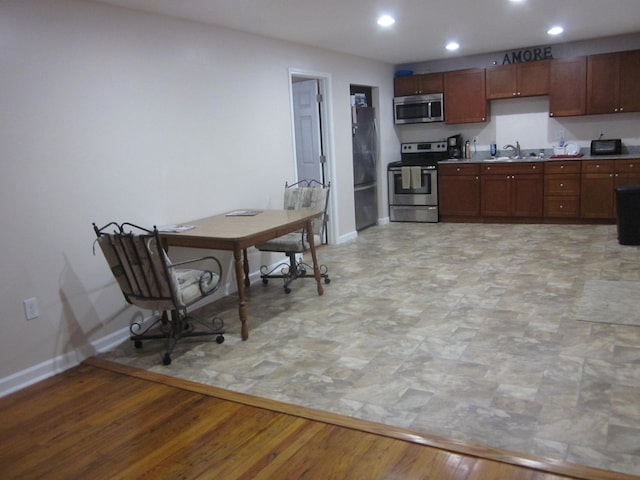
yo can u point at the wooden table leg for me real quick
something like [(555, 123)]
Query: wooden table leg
[(312, 247), (242, 301), (247, 282)]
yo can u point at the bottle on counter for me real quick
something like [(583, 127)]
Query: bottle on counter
[(467, 149)]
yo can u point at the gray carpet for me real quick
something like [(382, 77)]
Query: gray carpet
[(606, 301)]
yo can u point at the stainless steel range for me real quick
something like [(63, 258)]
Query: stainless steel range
[(413, 182)]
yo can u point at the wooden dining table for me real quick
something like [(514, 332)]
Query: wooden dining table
[(237, 231)]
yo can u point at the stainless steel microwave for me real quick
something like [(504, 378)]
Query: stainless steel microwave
[(419, 108)]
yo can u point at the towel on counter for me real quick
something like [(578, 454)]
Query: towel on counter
[(416, 177), (406, 178)]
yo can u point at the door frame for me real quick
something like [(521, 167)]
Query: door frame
[(326, 135)]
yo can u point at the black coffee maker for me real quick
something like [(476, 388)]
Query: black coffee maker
[(454, 146)]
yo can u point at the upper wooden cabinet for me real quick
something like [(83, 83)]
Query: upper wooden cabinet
[(417, 84), (613, 82), (465, 96), (568, 87), (518, 80)]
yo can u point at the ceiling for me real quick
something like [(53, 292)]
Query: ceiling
[(422, 27)]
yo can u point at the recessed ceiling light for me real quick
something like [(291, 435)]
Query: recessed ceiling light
[(557, 30), (386, 21), (451, 46)]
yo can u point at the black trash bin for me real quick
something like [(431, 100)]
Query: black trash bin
[(628, 214)]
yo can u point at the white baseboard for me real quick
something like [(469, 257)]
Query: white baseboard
[(49, 368), (59, 364)]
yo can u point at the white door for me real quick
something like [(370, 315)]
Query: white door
[(306, 117)]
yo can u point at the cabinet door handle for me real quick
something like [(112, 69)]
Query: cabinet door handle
[(562, 184)]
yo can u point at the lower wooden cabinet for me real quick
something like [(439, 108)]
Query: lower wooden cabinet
[(512, 190), (459, 191), (554, 191), (562, 189), (599, 181), (597, 190)]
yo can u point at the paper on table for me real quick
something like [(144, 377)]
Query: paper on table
[(243, 213), (175, 228)]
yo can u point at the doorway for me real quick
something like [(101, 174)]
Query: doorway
[(308, 128), (311, 133)]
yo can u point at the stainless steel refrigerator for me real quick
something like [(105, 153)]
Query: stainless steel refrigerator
[(364, 166)]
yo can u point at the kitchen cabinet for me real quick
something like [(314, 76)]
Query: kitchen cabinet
[(459, 191), (512, 190), (518, 80), (562, 189), (568, 87), (599, 180), (613, 82), (465, 96), (596, 199), (418, 84)]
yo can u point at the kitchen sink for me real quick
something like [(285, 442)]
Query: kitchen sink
[(509, 159), (500, 159)]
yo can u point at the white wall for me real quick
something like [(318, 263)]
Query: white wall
[(111, 114)]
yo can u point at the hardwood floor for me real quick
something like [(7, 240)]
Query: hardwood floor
[(104, 420)]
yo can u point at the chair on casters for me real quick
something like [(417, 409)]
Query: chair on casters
[(303, 195), (149, 280)]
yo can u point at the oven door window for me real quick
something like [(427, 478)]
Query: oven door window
[(425, 188)]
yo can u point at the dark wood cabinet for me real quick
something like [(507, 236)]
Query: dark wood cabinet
[(418, 84), (630, 81), (512, 190), (627, 172), (562, 189), (599, 181), (516, 80), (459, 192), (465, 96), (613, 82), (568, 87), (597, 189)]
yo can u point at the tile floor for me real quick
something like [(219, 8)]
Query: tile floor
[(467, 331)]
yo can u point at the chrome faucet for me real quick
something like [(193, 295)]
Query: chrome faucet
[(516, 150)]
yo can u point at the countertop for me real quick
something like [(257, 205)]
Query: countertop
[(623, 156)]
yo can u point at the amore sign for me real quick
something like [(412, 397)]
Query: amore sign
[(528, 55)]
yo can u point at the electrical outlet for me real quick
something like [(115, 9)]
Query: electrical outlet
[(31, 309), (475, 139)]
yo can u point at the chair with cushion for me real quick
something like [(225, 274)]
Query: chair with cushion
[(303, 195), (149, 280)]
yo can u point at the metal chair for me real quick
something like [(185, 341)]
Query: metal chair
[(149, 280), (303, 195)]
